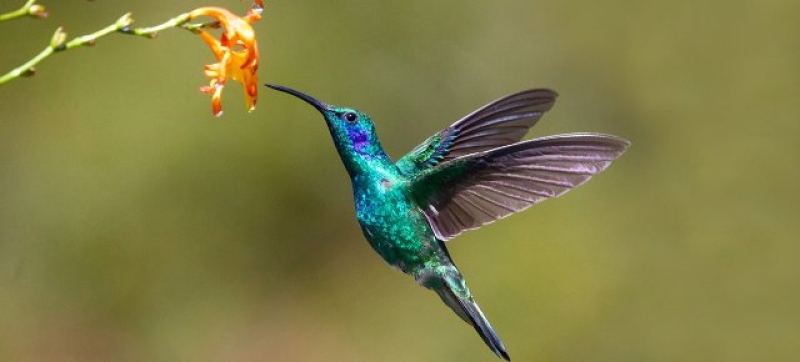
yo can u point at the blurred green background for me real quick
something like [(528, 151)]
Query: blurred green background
[(134, 226)]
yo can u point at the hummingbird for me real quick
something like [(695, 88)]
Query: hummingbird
[(468, 175)]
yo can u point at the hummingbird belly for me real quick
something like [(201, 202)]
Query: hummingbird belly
[(394, 226)]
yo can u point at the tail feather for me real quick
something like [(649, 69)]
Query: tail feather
[(455, 294)]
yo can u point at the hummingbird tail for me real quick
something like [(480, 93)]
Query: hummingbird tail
[(455, 294)]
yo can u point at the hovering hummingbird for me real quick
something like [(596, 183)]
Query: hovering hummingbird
[(470, 174)]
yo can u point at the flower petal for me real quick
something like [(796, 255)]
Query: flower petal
[(236, 52)]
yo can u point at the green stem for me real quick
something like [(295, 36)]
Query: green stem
[(27, 68), (122, 25), (89, 39), (23, 11), (152, 31)]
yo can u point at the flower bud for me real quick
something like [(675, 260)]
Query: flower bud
[(59, 39), (38, 11)]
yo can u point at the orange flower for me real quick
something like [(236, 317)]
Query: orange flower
[(236, 51)]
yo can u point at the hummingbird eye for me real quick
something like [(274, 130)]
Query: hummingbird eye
[(350, 117)]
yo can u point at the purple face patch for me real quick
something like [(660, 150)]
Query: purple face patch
[(359, 137)]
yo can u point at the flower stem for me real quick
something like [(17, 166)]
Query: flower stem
[(59, 43), (152, 32), (23, 11)]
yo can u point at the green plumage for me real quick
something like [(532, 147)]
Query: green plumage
[(393, 224), (465, 176)]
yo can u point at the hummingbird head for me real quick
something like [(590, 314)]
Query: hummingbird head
[(353, 132)]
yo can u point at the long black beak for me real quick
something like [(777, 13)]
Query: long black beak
[(320, 106)]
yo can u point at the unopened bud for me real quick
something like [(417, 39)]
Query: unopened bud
[(125, 21), (38, 11), (59, 38)]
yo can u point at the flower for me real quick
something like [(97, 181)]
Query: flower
[(236, 52)]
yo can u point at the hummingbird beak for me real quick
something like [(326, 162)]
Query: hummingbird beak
[(320, 106)]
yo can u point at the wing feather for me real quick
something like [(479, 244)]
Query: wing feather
[(499, 123), (478, 189)]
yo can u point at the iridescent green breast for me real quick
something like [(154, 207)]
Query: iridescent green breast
[(394, 226)]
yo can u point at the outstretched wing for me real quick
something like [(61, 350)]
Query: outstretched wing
[(499, 123), (478, 189)]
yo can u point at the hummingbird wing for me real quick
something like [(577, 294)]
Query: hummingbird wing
[(499, 123), (478, 189)]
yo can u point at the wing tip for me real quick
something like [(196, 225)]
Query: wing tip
[(619, 143), (551, 92), (548, 94)]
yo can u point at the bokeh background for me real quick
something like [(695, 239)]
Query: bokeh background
[(134, 226)]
